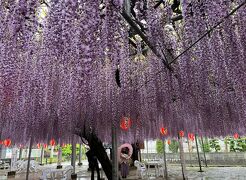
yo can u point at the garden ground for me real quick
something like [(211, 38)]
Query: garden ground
[(174, 172)]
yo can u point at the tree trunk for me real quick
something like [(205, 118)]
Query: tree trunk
[(97, 147), (134, 154)]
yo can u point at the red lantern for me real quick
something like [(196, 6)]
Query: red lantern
[(7, 142), (1, 142), (181, 133), (125, 123), (45, 146), (191, 136), (38, 145), (236, 136), (52, 142), (163, 131), (168, 141)]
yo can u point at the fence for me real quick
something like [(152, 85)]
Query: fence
[(221, 159)]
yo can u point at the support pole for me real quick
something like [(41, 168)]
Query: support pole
[(198, 155), (182, 158), (165, 159), (13, 169), (52, 152), (204, 154), (29, 158), (140, 156), (147, 149), (189, 146), (20, 154), (147, 156), (42, 155), (73, 158), (80, 155), (114, 154), (1, 152), (59, 166)]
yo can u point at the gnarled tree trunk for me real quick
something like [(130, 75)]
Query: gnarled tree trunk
[(97, 147)]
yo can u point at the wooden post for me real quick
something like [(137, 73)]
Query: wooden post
[(29, 158), (204, 155), (165, 159), (198, 155), (182, 158), (114, 154)]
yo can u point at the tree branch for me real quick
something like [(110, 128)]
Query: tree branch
[(145, 38)]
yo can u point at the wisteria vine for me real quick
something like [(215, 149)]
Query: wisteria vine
[(58, 62)]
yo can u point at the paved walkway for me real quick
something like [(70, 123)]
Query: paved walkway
[(174, 173)]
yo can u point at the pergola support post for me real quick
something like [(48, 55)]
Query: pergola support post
[(165, 159), (29, 158), (73, 159), (80, 155), (115, 154), (198, 155), (59, 166), (42, 155), (182, 158), (204, 154)]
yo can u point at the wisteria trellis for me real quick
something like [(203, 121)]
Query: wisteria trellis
[(57, 73)]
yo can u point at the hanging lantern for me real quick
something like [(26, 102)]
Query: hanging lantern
[(52, 142), (191, 136), (236, 136), (125, 123), (169, 141), (38, 145), (45, 146), (181, 133), (1, 142), (163, 131), (7, 142)]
